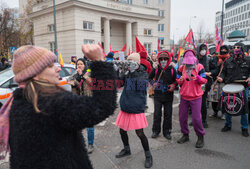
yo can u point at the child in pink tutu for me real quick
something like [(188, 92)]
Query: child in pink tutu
[(132, 103)]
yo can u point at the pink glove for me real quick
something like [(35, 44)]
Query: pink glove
[(198, 78)]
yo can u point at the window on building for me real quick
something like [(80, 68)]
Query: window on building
[(148, 32), (51, 28), (52, 47), (240, 18), (161, 27), (88, 25), (88, 41), (161, 41), (160, 1), (245, 15), (238, 10), (248, 6), (145, 2), (241, 9), (148, 47), (126, 1), (161, 13), (248, 14), (245, 8)]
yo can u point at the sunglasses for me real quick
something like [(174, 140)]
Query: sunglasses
[(237, 47), (161, 59)]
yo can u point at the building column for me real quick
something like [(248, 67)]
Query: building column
[(106, 35), (129, 36)]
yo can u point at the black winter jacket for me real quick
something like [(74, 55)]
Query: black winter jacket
[(166, 79), (133, 98), (236, 70), (52, 139)]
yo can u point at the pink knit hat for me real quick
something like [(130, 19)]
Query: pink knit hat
[(189, 57), (29, 61), (135, 57)]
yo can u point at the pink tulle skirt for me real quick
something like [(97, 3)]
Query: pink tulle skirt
[(129, 121)]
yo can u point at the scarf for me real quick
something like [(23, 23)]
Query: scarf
[(222, 58), (4, 126)]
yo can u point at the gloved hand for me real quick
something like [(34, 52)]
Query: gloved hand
[(171, 87)]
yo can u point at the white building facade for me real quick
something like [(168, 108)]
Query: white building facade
[(108, 22), (236, 16)]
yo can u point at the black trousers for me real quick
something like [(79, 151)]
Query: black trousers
[(204, 108), (167, 118)]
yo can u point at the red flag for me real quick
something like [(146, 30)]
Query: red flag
[(190, 38), (219, 42), (172, 51), (112, 50), (158, 47), (208, 53), (129, 51), (103, 53), (139, 46), (124, 47)]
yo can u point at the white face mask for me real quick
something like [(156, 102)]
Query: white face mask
[(132, 66), (163, 63), (203, 52)]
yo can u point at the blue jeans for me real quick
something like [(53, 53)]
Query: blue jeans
[(91, 135), (244, 117)]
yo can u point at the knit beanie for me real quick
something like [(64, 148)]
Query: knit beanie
[(30, 61), (189, 57), (135, 57)]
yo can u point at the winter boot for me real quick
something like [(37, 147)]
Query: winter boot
[(183, 139), (225, 128), (245, 132), (200, 142), (149, 159), (124, 152)]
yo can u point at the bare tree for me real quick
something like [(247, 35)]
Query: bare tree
[(200, 33), (8, 29), (26, 25)]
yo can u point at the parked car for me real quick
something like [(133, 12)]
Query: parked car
[(8, 85)]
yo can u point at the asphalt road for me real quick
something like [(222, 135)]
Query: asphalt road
[(222, 150)]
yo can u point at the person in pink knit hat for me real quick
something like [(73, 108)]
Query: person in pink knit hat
[(190, 76), (41, 123)]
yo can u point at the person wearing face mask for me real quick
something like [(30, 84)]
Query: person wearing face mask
[(164, 82), (216, 67), (206, 62), (237, 68), (132, 103), (190, 76), (154, 65)]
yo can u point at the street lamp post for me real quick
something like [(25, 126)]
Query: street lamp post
[(222, 19), (55, 33)]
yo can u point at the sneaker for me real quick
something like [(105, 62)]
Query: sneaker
[(245, 132), (183, 139), (225, 128), (223, 117), (200, 142), (155, 135), (213, 115), (90, 149)]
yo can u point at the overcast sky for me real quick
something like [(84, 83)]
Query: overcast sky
[(183, 12)]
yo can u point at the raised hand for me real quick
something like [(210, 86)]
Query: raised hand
[(92, 52)]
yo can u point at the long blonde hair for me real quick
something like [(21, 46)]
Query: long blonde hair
[(34, 88)]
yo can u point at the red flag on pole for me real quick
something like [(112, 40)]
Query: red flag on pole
[(208, 53), (103, 53), (129, 51), (190, 38), (139, 46), (124, 47), (219, 42), (158, 47), (112, 50), (172, 51)]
